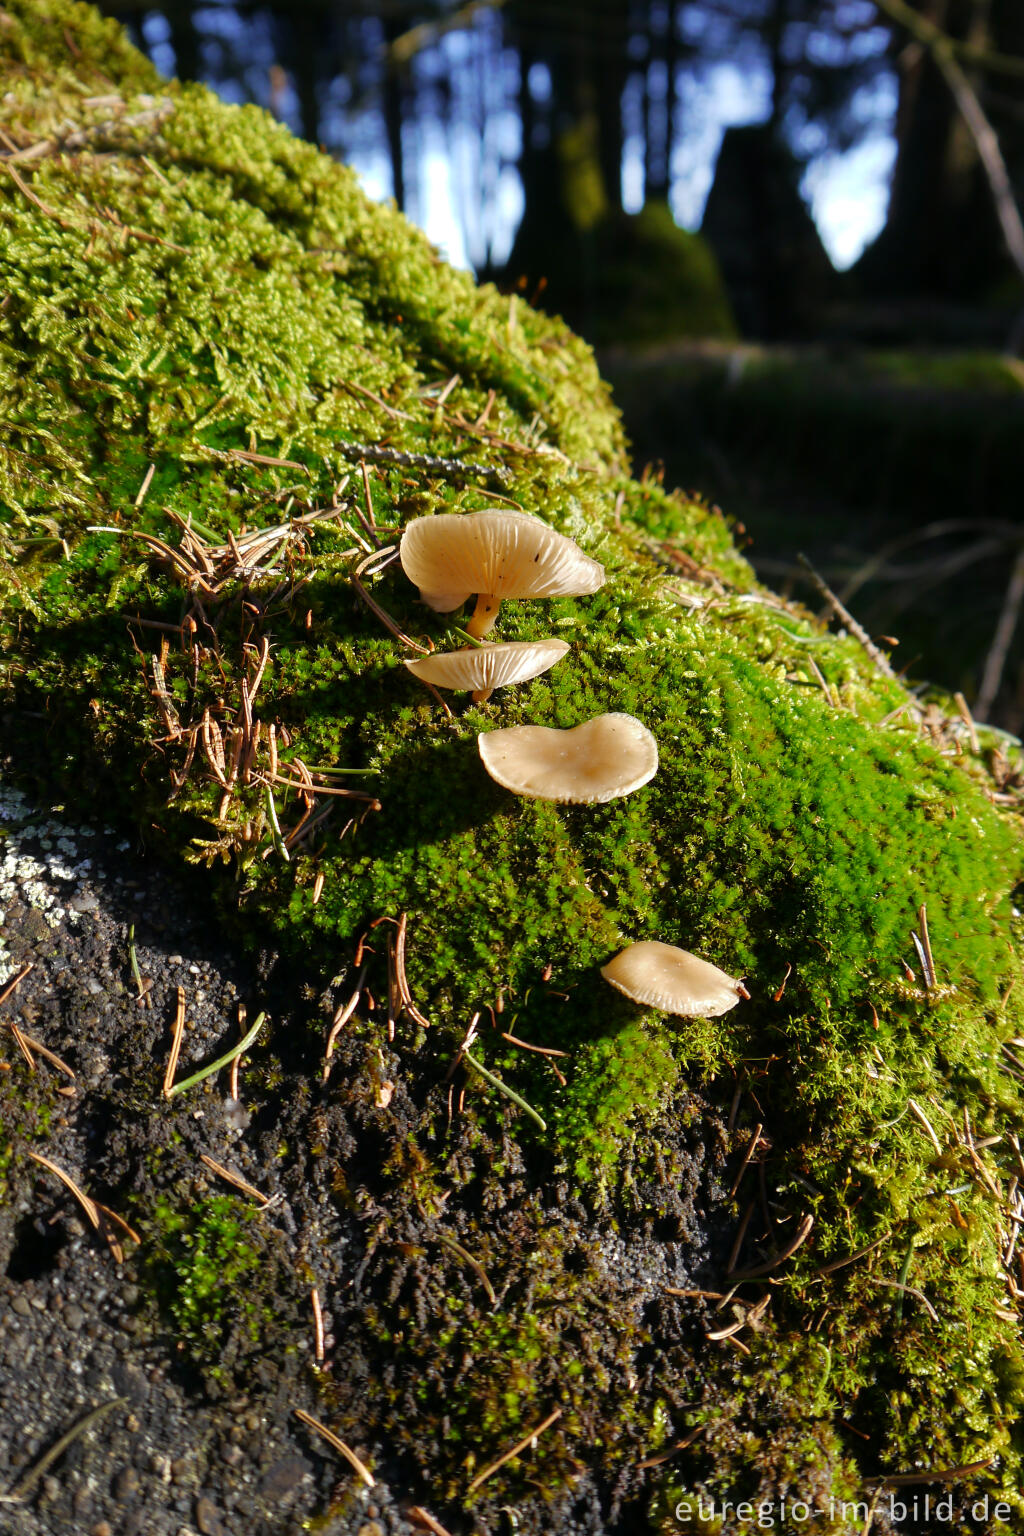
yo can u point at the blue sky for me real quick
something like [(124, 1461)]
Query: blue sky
[(463, 188)]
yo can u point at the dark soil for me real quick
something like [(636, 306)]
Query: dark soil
[(76, 1331), (199, 1431)]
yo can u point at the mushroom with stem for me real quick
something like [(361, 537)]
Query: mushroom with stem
[(483, 668), (495, 554)]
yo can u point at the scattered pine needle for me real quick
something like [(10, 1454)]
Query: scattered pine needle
[(752, 1146), (88, 1206), (27, 1482), (350, 1456), (16, 981), (46, 1054), (941, 1475), (680, 1445), (222, 1061), (22, 1044), (521, 1445), (911, 1290), (176, 1039), (509, 1093), (234, 1179), (800, 1237), (474, 1264), (420, 1516), (318, 1326), (922, 1118), (851, 1258), (542, 1050), (99, 1215)]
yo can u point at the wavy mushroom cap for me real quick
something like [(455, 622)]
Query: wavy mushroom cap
[(589, 764), (485, 667), (495, 554), (662, 976)]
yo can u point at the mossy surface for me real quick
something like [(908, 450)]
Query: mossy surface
[(189, 290)]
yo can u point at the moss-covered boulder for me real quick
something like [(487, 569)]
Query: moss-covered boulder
[(626, 279), (761, 1257)]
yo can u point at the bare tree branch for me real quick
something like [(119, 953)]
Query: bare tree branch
[(943, 51)]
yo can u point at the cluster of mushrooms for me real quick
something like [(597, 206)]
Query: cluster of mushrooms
[(494, 555)]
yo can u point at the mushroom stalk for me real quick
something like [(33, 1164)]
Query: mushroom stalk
[(481, 695), (484, 615)]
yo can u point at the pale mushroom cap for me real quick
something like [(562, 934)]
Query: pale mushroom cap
[(454, 555), (662, 976), (483, 667), (600, 760)]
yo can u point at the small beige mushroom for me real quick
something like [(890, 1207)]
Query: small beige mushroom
[(674, 981), (589, 764), (486, 667), (495, 554)]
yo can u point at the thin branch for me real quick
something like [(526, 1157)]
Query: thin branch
[(841, 612), (995, 661), (943, 52)]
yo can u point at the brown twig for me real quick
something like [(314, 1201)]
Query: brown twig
[(880, 660)]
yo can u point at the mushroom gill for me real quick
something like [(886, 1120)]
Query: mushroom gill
[(483, 668), (495, 554)]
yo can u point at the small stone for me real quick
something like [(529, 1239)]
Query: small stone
[(19, 1304), (102, 1528), (125, 1484), (208, 1517), (130, 1381), (74, 1317), (283, 1476), (85, 901)]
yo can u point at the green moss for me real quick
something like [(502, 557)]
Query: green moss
[(631, 279), (208, 1265), (201, 294)]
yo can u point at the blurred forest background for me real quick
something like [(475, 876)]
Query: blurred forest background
[(791, 228)]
